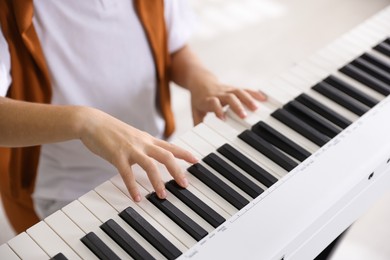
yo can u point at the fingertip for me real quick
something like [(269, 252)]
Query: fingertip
[(136, 197), (262, 96), (221, 116), (254, 106), (243, 114), (184, 182), (162, 194)]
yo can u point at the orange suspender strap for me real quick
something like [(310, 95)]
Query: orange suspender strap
[(151, 14), (30, 82)]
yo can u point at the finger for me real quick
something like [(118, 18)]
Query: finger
[(177, 151), (246, 98), (154, 175), (198, 116), (128, 177), (166, 158), (257, 94), (214, 104), (234, 104)]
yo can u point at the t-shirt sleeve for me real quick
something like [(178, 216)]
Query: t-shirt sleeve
[(180, 20), (5, 66)]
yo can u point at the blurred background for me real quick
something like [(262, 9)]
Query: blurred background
[(245, 42)]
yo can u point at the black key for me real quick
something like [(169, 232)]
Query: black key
[(98, 247), (301, 127), (311, 118), (340, 98), (387, 40), (384, 48), (247, 165), (233, 175), (366, 79), (124, 240), (182, 220), (268, 150), (377, 62), (323, 110), (351, 91), (280, 141), (59, 256), (201, 208), (217, 185), (373, 70), (152, 235)]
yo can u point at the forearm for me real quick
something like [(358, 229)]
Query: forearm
[(26, 124), (187, 71)]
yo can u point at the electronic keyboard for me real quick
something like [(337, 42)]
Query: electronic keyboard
[(282, 183)]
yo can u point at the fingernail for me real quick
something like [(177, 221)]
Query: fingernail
[(184, 182), (162, 194), (137, 198), (243, 114)]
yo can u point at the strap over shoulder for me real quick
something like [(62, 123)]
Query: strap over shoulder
[(31, 82)]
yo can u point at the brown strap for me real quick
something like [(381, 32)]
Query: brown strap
[(31, 82), (151, 14)]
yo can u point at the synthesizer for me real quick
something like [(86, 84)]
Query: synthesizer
[(282, 183)]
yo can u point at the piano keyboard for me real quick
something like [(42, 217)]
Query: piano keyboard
[(279, 184)]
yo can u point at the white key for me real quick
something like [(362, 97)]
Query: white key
[(268, 165), (359, 86), (138, 238), (237, 124), (354, 83), (253, 117), (155, 213), (292, 134), (316, 69), (26, 248), (354, 42), (70, 233), (81, 216), (119, 201), (337, 54), (176, 202), (230, 134), (277, 94), (198, 188), (204, 149), (262, 111), (288, 87), (49, 241), (7, 253), (103, 211), (351, 51), (217, 141), (321, 63), (328, 55), (375, 33), (380, 56), (307, 75), (331, 104), (206, 191), (297, 81)]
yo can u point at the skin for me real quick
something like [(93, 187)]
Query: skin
[(27, 124)]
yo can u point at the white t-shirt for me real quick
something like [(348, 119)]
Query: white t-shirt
[(98, 55)]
